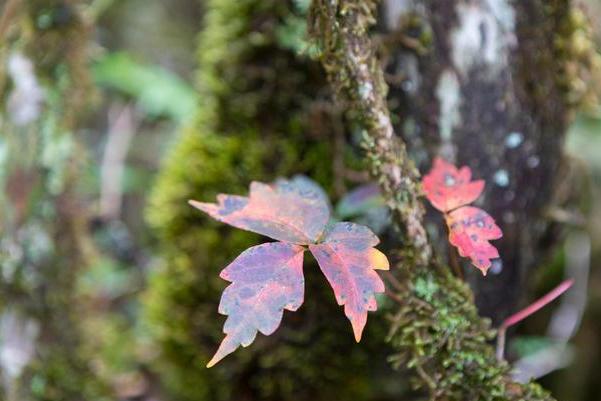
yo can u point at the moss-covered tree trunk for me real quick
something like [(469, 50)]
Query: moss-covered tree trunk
[(490, 84), (43, 87), (265, 112), (468, 92)]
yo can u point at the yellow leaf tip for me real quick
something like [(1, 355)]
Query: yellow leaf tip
[(358, 332), (216, 358), (378, 260)]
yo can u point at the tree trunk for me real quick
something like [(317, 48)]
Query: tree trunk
[(460, 93), (485, 86), (265, 113)]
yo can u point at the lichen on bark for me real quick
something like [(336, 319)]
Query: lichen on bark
[(350, 63), (494, 89), (437, 332), (44, 245)]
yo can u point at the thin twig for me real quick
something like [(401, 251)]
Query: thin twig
[(527, 311), (500, 352), (10, 9), (394, 281), (565, 319), (357, 177), (394, 297), (454, 260), (538, 304), (122, 128), (427, 379)]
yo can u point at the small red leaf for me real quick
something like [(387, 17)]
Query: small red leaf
[(448, 188), (348, 259), (289, 211), (470, 229), (266, 279)]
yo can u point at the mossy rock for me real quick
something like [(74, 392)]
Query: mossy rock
[(255, 122)]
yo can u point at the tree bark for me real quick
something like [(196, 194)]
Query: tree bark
[(437, 330), (485, 86), (44, 244)]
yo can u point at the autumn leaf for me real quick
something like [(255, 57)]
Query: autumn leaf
[(447, 188), (285, 211), (305, 184), (347, 258), (470, 228), (266, 279)]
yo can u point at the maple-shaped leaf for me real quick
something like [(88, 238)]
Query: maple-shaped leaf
[(447, 187), (347, 258), (470, 228), (266, 279), (286, 211)]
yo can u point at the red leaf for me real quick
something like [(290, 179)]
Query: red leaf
[(266, 279), (348, 259), (287, 211), (470, 229), (447, 188)]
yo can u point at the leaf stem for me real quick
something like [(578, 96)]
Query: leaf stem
[(394, 297), (393, 281), (527, 311), (453, 259)]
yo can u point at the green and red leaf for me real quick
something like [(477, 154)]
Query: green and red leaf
[(286, 211), (347, 258), (266, 279)]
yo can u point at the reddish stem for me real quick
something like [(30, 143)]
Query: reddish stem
[(538, 304), (527, 311)]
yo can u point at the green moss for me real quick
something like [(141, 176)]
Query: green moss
[(443, 339), (52, 378), (257, 120), (580, 75), (573, 58)]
